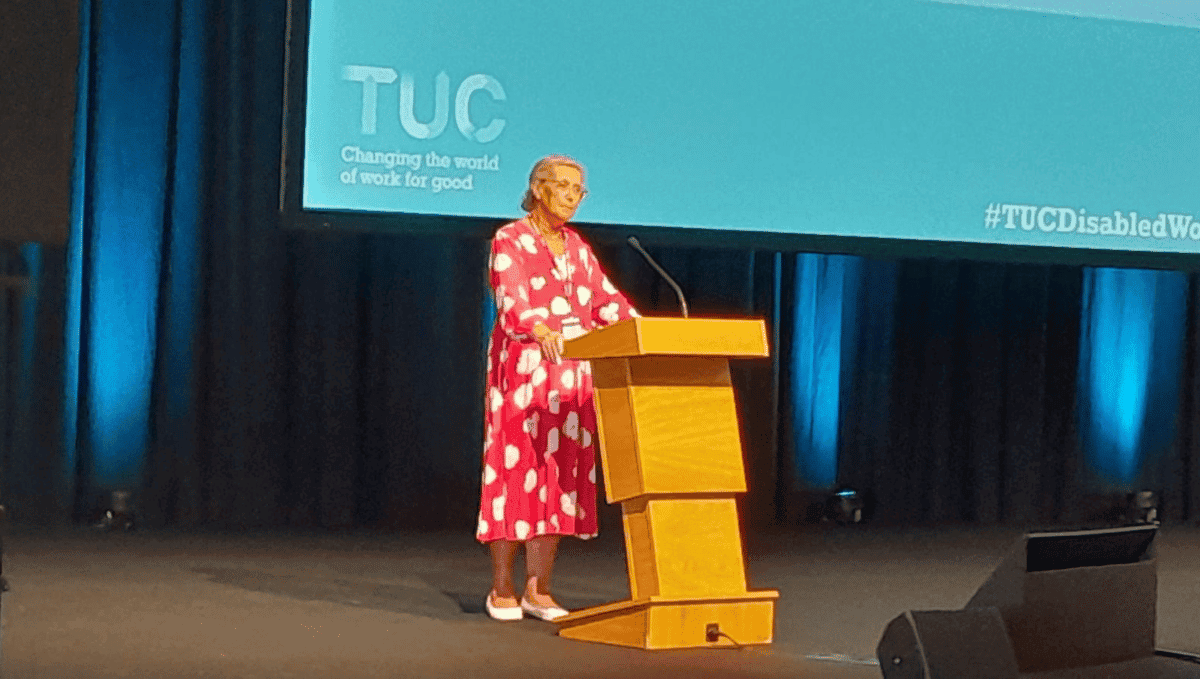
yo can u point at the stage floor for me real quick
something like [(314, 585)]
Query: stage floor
[(162, 605)]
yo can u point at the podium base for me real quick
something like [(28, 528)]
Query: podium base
[(667, 622)]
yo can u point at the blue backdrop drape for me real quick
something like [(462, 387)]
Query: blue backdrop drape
[(232, 372)]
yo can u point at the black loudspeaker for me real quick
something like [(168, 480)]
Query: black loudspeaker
[(1057, 602), (947, 645), (1077, 598), (39, 58)]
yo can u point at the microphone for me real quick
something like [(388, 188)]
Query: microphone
[(678, 293)]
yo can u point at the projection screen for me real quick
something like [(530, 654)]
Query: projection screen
[(1060, 125)]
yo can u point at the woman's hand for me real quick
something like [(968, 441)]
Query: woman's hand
[(550, 341)]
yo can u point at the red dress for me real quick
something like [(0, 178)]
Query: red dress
[(539, 473)]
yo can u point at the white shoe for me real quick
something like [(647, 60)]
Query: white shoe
[(505, 613), (548, 613)]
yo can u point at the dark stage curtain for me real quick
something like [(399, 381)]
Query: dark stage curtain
[(334, 380), (36, 468), (975, 421), (1021, 394), (1182, 482), (334, 373)]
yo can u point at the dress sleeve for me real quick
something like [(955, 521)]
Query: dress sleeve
[(607, 303), (509, 274)]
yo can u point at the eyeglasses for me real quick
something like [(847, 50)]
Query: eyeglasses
[(564, 186)]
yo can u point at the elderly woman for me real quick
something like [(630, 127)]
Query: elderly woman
[(539, 473)]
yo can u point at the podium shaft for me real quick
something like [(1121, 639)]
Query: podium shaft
[(683, 547)]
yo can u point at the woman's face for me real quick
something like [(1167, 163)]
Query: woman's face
[(561, 191)]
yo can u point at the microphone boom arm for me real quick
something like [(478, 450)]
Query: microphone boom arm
[(671, 281)]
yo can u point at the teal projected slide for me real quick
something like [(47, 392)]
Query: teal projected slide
[(1062, 123)]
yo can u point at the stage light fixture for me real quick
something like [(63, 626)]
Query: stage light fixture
[(845, 506), (119, 516), (1142, 507)]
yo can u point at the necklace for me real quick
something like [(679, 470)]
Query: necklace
[(556, 240), (563, 264)]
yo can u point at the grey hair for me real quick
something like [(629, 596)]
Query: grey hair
[(539, 171)]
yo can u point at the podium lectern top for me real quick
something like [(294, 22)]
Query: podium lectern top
[(730, 338)]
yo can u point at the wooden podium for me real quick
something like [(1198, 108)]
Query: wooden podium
[(672, 455)]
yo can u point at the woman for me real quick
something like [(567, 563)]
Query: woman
[(539, 475)]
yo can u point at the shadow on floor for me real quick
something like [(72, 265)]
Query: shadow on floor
[(444, 597)]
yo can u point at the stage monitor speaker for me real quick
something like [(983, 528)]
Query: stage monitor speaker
[(1059, 603), (1076, 598), (39, 58), (947, 645)]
